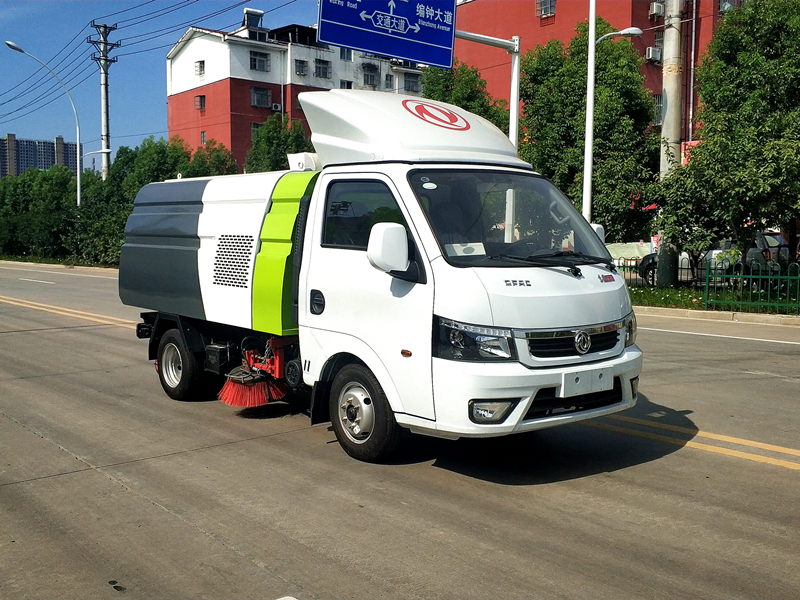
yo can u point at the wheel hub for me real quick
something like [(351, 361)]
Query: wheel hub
[(356, 412), (171, 365)]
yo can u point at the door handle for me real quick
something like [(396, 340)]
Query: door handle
[(317, 303)]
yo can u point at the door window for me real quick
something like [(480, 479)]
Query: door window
[(352, 208)]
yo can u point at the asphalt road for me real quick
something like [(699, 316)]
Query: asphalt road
[(109, 489)]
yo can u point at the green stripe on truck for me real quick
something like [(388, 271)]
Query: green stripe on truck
[(272, 278)]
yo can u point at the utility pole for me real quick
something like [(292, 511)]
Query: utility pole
[(672, 77), (103, 47), (672, 82)]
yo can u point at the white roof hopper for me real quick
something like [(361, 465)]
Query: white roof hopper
[(356, 126)]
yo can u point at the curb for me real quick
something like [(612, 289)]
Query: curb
[(718, 315)]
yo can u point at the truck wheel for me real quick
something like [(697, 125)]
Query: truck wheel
[(178, 369), (362, 418)]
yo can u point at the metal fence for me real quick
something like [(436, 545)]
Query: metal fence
[(634, 275), (760, 288)]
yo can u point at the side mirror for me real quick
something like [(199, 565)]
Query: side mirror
[(600, 231), (387, 248)]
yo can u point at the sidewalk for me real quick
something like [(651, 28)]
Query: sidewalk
[(718, 315)]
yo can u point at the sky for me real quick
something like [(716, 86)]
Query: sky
[(34, 106)]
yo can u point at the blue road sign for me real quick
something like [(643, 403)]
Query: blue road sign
[(417, 30)]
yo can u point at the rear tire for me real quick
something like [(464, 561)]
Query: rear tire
[(179, 371), (362, 418)]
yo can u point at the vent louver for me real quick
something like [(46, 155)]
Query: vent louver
[(232, 262)]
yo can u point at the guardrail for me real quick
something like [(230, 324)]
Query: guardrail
[(768, 288)]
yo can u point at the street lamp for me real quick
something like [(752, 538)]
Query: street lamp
[(103, 151), (78, 156), (589, 142)]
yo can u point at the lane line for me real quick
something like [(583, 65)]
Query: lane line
[(697, 445), (68, 312), (705, 434), (58, 273), (37, 281), (730, 337)]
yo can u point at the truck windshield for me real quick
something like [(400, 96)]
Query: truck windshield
[(499, 218)]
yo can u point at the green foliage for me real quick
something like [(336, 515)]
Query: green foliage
[(462, 86), (747, 167), (39, 216), (276, 138), (626, 148)]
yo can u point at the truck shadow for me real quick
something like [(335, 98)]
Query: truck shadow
[(645, 433)]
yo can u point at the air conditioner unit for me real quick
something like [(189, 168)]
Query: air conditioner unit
[(652, 54), (656, 9), (277, 107)]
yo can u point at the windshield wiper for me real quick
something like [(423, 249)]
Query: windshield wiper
[(540, 261), (586, 259)]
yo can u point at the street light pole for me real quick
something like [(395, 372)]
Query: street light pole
[(78, 157), (589, 140)]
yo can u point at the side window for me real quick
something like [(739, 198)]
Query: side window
[(352, 208)]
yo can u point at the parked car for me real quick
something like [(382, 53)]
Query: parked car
[(770, 248)]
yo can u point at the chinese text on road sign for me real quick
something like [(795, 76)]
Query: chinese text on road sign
[(420, 32)]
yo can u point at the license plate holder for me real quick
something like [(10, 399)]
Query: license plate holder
[(578, 382)]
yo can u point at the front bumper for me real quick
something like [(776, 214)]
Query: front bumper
[(455, 383)]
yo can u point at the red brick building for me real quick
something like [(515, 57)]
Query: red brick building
[(538, 21)]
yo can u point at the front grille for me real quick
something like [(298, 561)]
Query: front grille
[(557, 347), (546, 403)]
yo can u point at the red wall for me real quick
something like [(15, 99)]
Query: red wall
[(227, 117), (507, 18)]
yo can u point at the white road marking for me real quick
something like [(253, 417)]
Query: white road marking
[(37, 281), (58, 273), (730, 337)]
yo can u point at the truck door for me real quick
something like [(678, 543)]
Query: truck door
[(352, 306)]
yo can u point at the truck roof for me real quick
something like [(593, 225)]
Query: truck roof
[(358, 126)]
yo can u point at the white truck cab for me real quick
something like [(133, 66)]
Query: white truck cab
[(443, 286)]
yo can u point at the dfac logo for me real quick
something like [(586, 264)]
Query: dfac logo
[(436, 115), (583, 341)]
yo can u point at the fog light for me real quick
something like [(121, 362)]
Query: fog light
[(635, 386), (490, 411)]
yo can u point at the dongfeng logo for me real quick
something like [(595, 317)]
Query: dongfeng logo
[(436, 115), (583, 341)]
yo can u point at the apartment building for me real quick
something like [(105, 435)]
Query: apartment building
[(224, 85), (18, 155)]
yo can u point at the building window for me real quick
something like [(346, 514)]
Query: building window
[(254, 127), (371, 75), (346, 54), (389, 82), (200, 67), (259, 61), (545, 8), (261, 97), (411, 82), (203, 137), (658, 42), (301, 67), (345, 85), (200, 102), (658, 100), (322, 68)]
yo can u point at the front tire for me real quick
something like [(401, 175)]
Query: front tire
[(179, 371), (362, 418)]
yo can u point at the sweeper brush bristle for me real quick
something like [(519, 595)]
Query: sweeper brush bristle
[(248, 395)]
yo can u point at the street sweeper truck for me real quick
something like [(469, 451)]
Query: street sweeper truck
[(413, 273)]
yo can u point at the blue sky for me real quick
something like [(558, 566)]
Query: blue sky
[(55, 31)]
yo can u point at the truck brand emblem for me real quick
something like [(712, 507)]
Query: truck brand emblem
[(436, 115), (583, 341), (605, 278)]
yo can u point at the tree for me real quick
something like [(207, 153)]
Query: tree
[(553, 89), (462, 86), (276, 138), (211, 159), (747, 166)]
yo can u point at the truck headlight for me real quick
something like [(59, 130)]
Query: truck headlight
[(630, 330), (459, 341)]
